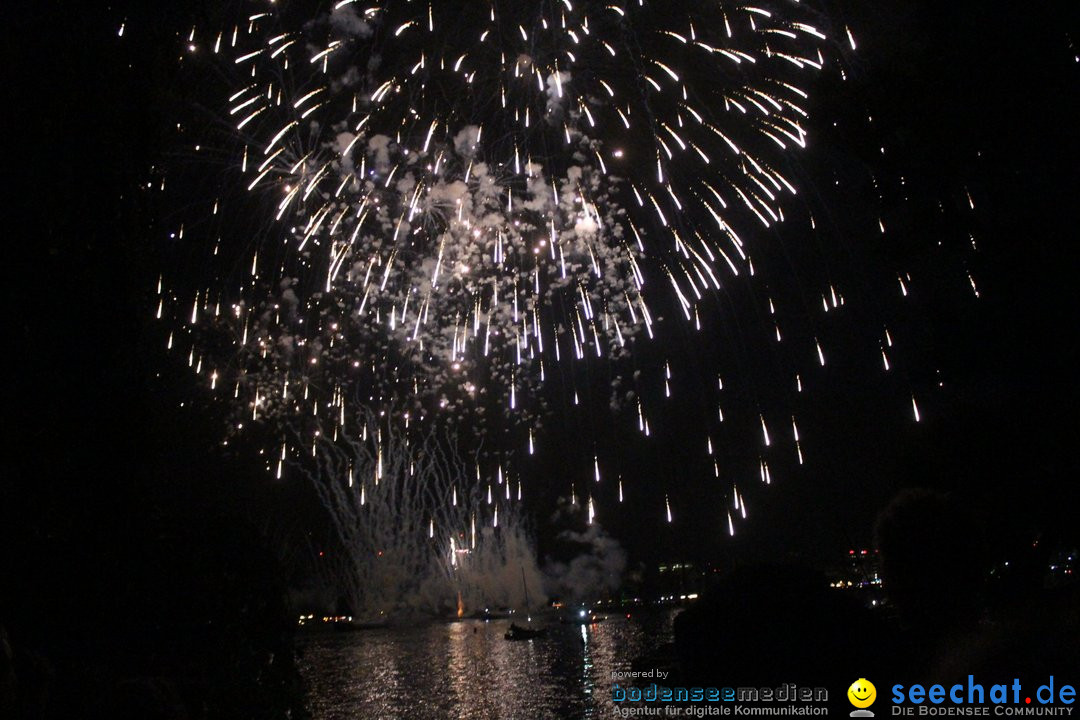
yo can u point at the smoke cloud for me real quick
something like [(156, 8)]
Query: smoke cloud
[(595, 570)]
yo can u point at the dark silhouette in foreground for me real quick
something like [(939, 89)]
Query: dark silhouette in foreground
[(946, 615), (780, 623)]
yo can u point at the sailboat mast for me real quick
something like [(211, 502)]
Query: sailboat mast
[(526, 586)]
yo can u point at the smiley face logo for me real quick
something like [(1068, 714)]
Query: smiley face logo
[(862, 693)]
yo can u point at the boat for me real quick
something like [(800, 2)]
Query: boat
[(517, 632)]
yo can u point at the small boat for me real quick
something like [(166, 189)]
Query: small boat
[(516, 632)]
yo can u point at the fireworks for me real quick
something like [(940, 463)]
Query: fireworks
[(442, 210), (412, 531)]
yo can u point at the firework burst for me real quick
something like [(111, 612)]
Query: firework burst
[(440, 208)]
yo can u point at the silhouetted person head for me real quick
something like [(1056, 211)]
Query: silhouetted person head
[(931, 563), (773, 621)]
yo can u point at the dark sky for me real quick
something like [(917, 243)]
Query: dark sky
[(966, 95)]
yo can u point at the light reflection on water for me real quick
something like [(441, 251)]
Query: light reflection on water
[(467, 670)]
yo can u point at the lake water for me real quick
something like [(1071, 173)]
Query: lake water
[(468, 671)]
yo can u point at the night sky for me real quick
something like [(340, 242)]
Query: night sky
[(106, 478)]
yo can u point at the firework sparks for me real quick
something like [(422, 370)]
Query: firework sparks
[(459, 204)]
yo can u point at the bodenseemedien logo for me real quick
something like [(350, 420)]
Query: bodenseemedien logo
[(862, 694)]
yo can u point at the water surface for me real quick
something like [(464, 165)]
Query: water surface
[(467, 670)]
